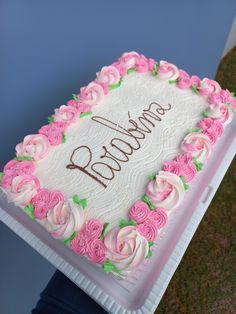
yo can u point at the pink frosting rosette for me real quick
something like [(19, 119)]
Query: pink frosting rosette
[(182, 165), (16, 168), (65, 114), (93, 228), (44, 201), (80, 243), (220, 112), (212, 128), (148, 229), (142, 64), (166, 190), (167, 71), (22, 189), (92, 94), (109, 75), (79, 106), (97, 251), (126, 247), (54, 132), (197, 145), (158, 217), (129, 59), (64, 219), (184, 80), (208, 87), (35, 146), (139, 212), (121, 67)]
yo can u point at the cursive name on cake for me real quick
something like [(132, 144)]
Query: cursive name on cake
[(103, 170)]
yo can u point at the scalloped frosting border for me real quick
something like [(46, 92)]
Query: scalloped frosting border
[(124, 247)]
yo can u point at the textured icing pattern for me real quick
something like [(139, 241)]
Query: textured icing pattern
[(135, 95)]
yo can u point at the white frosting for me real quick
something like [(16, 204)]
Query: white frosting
[(137, 91)]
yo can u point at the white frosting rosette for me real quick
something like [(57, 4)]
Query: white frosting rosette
[(167, 71), (22, 189), (197, 145), (34, 145), (108, 75), (126, 248), (64, 219), (166, 190)]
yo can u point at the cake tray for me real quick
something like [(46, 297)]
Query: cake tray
[(144, 288)]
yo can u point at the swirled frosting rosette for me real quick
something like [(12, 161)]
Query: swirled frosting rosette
[(197, 145), (126, 248), (109, 75), (92, 94), (167, 71), (166, 190), (207, 87), (35, 146), (64, 219), (22, 189), (220, 112)]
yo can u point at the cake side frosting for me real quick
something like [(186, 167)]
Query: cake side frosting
[(120, 238)]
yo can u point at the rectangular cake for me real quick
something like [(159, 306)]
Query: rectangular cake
[(110, 167)]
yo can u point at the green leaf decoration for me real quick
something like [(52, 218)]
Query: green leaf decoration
[(75, 97), (195, 89), (205, 114), (51, 119), (68, 240), (102, 237), (152, 177), (85, 114), (150, 243), (1, 177), (109, 267), (172, 81), (186, 187), (194, 130), (125, 223), (82, 202), (24, 158), (130, 71), (114, 86), (149, 253), (233, 109), (232, 94), (64, 137), (29, 209), (155, 69), (198, 164), (147, 200)]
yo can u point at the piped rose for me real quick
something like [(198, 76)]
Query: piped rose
[(197, 145), (22, 189), (166, 190), (129, 59), (126, 248), (44, 201), (93, 228), (92, 94), (158, 217), (212, 128), (148, 229), (139, 212), (208, 87), (54, 132), (167, 71), (109, 75), (220, 112), (35, 146), (64, 219), (182, 165), (97, 251), (16, 168), (65, 115)]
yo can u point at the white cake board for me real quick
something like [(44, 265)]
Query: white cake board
[(142, 292)]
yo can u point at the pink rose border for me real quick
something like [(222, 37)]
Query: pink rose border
[(150, 214)]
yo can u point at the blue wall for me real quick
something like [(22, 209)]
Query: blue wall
[(48, 49)]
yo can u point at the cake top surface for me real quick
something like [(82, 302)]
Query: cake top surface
[(113, 163)]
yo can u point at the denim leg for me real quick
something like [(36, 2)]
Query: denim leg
[(62, 296)]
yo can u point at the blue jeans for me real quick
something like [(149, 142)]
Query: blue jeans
[(62, 296)]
